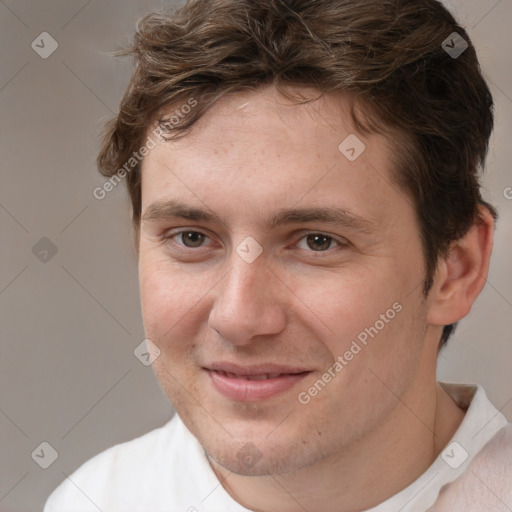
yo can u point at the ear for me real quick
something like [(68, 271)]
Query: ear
[(462, 274)]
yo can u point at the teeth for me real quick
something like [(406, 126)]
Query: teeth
[(264, 376), (257, 377)]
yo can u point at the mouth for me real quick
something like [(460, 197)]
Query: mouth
[(253, 383)]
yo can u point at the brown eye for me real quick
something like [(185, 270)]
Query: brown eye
[(192, 238), (319, 242)]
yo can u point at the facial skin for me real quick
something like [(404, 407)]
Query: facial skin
[(381, 421)]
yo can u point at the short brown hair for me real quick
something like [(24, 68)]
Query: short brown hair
[(388, 55)]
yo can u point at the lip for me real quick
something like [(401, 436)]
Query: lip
[(237, 382)]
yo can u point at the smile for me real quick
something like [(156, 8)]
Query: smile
[(252, 384)]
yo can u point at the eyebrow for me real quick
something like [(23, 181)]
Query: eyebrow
[(172, 209)]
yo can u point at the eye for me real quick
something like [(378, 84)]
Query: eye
[(318, 242), (190, 239)]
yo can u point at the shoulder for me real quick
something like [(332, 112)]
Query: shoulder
[(486, 484), (118, 471)]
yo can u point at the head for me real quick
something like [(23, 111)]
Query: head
[(246, 104)]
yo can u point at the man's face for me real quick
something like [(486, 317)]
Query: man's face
[(253, 303)]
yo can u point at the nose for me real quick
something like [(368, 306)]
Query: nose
[(249, 303)]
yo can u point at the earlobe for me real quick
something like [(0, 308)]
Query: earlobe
[(462, 274)]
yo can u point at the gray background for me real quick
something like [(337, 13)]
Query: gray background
[(69, 325)]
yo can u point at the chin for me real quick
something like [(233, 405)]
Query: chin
[(260, 465), (253, 459)]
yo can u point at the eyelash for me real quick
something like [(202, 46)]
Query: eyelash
[(168, 236)]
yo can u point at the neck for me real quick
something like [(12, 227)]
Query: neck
[(372, 469)]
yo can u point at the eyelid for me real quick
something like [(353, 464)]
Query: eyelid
[(169, 234), (342, 242)]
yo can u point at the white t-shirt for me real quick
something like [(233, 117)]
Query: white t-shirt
[(166, 470)]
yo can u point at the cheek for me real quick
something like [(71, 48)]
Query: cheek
[(171, 300), (171, 309), (369, 318), (343, 304)]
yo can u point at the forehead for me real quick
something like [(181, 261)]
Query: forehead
[(266, 113), (265, 148)]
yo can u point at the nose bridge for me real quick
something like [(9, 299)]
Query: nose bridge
[(246, 289), (246, 305)]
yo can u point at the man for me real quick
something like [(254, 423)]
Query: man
[(310, 228)]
